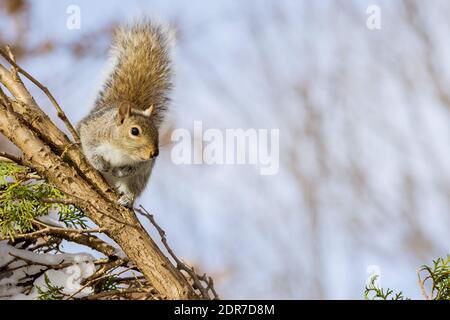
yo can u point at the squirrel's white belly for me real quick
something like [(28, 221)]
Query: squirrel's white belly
[(114, 156)]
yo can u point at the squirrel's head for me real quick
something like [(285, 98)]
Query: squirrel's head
[(136, 133)]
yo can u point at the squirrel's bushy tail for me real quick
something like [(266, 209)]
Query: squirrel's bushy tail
[(142, 74)]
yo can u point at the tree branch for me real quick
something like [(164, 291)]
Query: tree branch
[(48, 150)]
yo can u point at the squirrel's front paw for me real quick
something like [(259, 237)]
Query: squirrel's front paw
[(126, 201), (99, 163), (124, 171)]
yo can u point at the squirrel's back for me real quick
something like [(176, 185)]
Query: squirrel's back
[(142, 74)]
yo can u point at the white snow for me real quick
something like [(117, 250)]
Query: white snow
[(80, 266), (52, 219)]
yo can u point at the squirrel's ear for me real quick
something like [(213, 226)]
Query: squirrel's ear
[(124, 112), (148, 112)]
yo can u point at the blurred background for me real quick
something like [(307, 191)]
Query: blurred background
[(363, 115)]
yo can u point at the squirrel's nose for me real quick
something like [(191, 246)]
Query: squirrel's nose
[(154, 153)]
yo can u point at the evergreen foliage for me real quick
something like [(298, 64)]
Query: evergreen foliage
[(436, 278), (50, 292), (373, 292), (439, 277), (23, 198)]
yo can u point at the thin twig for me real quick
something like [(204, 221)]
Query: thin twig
[(422, 286), (91, 282), (107, 267), (55, 266), (118, 292), (14, 70), (11, 157), (47, 92), (52, 228), (204, 291)]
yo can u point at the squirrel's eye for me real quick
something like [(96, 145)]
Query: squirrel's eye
[(135, 131)]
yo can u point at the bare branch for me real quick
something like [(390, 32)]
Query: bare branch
[(10, 58), (12, 158)]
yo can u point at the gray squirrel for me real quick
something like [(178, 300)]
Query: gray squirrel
[(119, 136)]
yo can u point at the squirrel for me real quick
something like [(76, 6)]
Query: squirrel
[(119, 137)]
